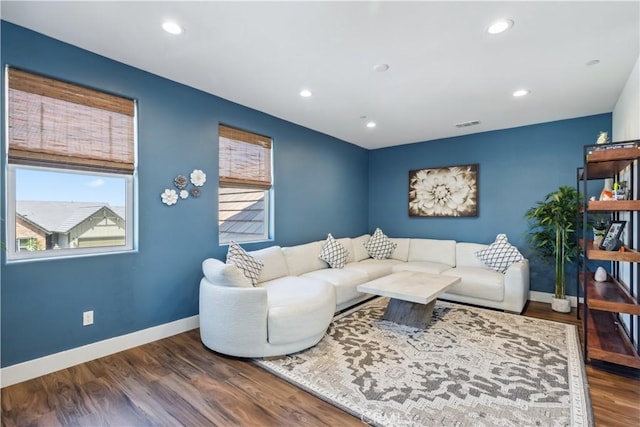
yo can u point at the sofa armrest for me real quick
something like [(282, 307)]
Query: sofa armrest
[(516, 286), (233, 319)]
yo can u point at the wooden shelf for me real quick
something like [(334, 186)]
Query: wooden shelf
[(605, 163), (605, 331), (626, 255), (607, 341), (609, 296), (613, 205), (613, 154)]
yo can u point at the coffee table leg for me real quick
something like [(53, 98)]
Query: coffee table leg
[(409, 313)]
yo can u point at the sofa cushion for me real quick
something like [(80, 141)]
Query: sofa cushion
[(466, 255), (304, 258), (477, 282), (297, 308), (374, 268), (379, 246), (500, 254), (333, 253), (250, 266), (401, 252), (345, 281), (359, 251), (442, 251), (421, 266), (274, 265), (347, 242), (221, 274)]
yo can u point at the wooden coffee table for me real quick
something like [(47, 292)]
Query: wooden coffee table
[(413, 295)]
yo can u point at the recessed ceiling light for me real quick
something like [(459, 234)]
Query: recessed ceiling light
[(521, 92), (500, 26), (371, 124), (172, 28), (381, 68), (305, 93)]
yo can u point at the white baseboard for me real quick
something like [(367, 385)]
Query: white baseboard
[(546, 297), (54, 362)]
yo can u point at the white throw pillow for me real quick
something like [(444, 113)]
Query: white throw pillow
[(221, 274), (379, 246), (334, 253), (500, 254), (250, 266)]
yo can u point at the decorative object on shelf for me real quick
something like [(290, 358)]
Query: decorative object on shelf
[(620, 190), (198, 178), (171, 196), (603, 138), (553, 223), (600, 275), (447, 191), (599, 230), (607, 191), (611, 241)]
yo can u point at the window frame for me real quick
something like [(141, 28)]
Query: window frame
[(13, 255), (131, 208), (266, 236), (252, 185)]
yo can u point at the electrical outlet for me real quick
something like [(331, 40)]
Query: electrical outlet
[(87, 318)]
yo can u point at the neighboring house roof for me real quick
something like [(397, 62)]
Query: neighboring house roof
[(60, 217), (241, 213)]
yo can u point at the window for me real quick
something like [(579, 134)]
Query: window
[(244, 185), (71, 168)]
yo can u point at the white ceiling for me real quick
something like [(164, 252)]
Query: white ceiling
[(444, 67)]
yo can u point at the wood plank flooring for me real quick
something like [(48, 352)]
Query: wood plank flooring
[(177, 381)]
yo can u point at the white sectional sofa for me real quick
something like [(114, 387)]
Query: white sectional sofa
[(297, 293)]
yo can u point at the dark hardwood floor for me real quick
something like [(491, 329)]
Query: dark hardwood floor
[(177, 381)]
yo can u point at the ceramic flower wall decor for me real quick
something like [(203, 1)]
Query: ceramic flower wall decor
[(198, 178), (170, 196)]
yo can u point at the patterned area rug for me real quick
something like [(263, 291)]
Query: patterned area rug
[(471, 367)]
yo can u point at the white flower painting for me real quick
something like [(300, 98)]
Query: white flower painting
[(448, 191)]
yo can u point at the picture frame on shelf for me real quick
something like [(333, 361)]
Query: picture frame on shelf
[(612, 236)]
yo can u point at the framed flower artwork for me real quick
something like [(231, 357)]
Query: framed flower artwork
[(444, 192)]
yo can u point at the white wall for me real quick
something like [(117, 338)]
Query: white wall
[(626, 113)]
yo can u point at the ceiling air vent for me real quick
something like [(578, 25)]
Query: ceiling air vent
[(467, 124)]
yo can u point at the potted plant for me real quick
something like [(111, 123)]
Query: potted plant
[(553, 223)]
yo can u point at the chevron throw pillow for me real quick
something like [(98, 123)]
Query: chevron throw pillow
[(334, 253), (250, 266), (500, 254), (379, 246)]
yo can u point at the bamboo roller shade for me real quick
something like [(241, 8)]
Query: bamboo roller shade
[(45, 86), (54, 124), (245, 159)]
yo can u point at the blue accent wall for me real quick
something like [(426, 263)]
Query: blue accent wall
[(320, 186), (517, 168)]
